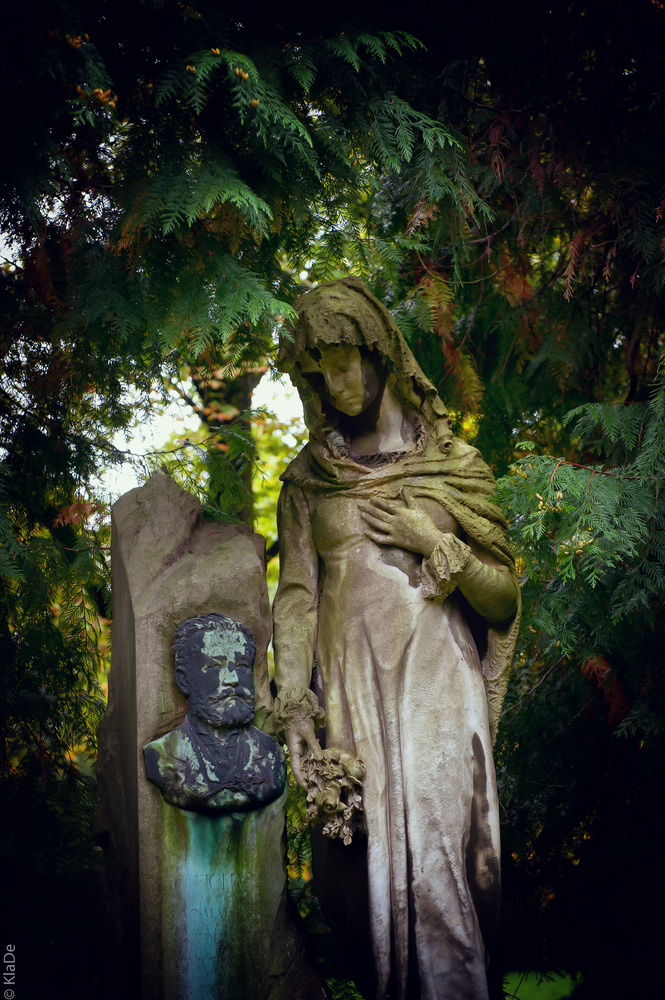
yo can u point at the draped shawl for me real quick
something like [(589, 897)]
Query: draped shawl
[(444, 468)]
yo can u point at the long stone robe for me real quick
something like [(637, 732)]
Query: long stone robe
[(404, 690)]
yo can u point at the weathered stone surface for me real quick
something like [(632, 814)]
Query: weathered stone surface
[(396, 578), (168, 566), (224, 926)]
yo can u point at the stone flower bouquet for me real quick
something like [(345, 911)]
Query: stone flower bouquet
[(334, 785)]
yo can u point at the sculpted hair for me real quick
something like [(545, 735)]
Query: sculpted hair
[(196, 627)]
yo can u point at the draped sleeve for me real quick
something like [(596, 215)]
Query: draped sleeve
[(295, 608)]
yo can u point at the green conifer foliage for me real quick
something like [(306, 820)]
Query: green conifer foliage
[(173, 169)]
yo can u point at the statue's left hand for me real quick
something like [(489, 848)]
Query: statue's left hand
[(408, 527), (301, 741)]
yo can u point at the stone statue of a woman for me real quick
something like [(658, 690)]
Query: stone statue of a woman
[(397, 582)]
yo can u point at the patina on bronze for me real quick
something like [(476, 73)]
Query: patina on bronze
[(216, 761), (395, 578)]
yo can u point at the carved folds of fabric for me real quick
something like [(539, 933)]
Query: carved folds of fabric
[(293, 706)]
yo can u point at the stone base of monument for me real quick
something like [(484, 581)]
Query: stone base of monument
[(193, 903)]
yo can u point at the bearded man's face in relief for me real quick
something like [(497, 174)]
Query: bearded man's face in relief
[(217, 679)]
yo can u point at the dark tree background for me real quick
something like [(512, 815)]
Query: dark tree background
[(171, 170)]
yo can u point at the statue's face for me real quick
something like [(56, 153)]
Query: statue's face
[(218, 679), (351, 382)]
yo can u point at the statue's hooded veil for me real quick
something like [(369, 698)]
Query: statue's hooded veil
[(346, 312)]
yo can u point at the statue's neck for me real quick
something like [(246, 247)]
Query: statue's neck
[(382, 428)]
